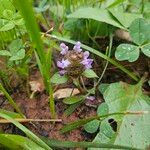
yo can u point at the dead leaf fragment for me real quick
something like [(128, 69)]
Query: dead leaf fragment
[(66, 92), (36, 86)]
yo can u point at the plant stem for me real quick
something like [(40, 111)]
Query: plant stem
[(11, 101), (107, 62)]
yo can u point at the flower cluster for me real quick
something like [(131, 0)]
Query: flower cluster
[(73, 62)]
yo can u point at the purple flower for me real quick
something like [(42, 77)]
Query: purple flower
[(87, 63), (86, 54), (77, 47), (91, 98), (64, 49), (62, 72), (63, 64)]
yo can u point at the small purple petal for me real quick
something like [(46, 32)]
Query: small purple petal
[(88, 66), (77, 47), (86, 54), (87, 63), (91, 98), (62, 72), (64, 49), (59, 64), (63, 64)]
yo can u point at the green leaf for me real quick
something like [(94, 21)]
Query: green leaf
[(58, 79), (124, 18), (5, 53), (15, 45), (146, 49), (139, 31), (72, 108), (11, 114), (7, 25), (8, 14), (132, 130), (105, 134), (89, 73), (83, 145), (18, 56), (17, 142), (6, 4), (102, 87), (31, 135), (92, 126), (102, 109), (98, 14), (127, 52), (73, 99)]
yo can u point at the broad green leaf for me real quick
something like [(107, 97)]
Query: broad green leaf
[(98, 14), (89, 73), (15, 45), (139, 31), (7, 25), (105, 134), (73, 99), (132, 130), (17, 142), (18, 56), (127, 52), (102, 109), (146, 49), (5, 53), (124, 18), (58, 79), (31, 135), (92, 126), (102, 87)]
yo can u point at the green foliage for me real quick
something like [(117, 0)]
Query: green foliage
[(92, 126), (89, 73), (127, 52), (123, 97), (101, 15), (139, 31), (72, 144), (11, 23), (16, 50), (10, 100), (17, 142), (41, 56), (58, 79), (100, 54), (31, 135), (73, 99)]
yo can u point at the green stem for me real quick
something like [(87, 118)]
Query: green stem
[(81, 122), (96, 52), (11, 101), (107, 62)]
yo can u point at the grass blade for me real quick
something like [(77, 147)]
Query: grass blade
[(11, 101), (70, 144), (31, 135), (28, 15)]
